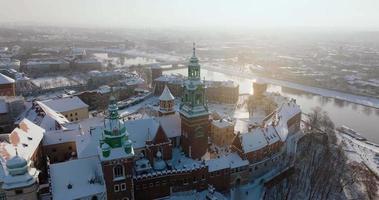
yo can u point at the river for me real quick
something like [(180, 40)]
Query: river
[(363, 119)]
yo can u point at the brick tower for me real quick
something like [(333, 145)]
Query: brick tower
[(194, 112), (117, 156)]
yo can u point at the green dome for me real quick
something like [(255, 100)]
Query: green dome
[(17, 165)]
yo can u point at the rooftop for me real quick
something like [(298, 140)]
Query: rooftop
[(26, 139), (5, 79), (65, 104), (166, 95), (77, 179), (232, 160)]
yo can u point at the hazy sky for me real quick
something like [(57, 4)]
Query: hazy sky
[(363, 14)]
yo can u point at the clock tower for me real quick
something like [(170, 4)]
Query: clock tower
[(117, 156), (194, 112)]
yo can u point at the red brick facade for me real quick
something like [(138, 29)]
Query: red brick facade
[(156, 185), (119, 188), (7, 89), (159, 143), (194, 138)]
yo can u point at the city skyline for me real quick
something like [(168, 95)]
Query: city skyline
[(338, 14)]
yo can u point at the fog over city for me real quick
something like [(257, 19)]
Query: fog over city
[(243, 14), (189, 99)]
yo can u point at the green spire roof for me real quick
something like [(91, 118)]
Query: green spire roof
[(194, 66), (115, 134)]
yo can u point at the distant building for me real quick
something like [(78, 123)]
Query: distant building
[(8, 63), (222, 132), (10, 109), (99, 99), (7, 86), (173, 82), (73, 108), (85, 64), (20, 158), (259, 89), (156, 72), (98, 78), (216, 91), (226, 92), (47, 65)]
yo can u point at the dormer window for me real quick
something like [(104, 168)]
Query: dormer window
[(118, 172)]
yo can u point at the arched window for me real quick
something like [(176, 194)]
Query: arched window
[(118, 171)]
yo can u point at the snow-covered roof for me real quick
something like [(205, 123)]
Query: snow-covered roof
[(190, 195), (166, 95), (65, 104), (272, 132), (26, 139), (48, 61), (140, 131), (88, 143), (5, 79), (181, 161), (104, 89), (116, 153), (222, 123), (177, 78), (253, 140), (171, 125), (284, 113), (85, 177), (60, 136), (288, 110), (133, 81), (43, 116), (232, 160)]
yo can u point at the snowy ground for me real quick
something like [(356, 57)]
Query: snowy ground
[(361, 152), (53, 82)]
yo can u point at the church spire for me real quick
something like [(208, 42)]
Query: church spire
[(193, 66), (194, 50)]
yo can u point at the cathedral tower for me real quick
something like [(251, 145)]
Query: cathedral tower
[(194, 112), (117, 156)]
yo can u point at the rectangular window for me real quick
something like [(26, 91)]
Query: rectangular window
[(194, 179), (19, 191), (123, 186), (118, 172), (116, 188)]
